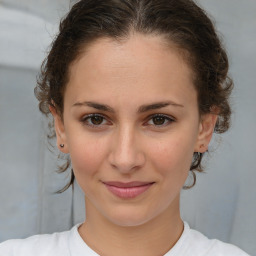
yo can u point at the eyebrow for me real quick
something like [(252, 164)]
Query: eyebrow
[(158, 105), (142, 109), (95, 105)]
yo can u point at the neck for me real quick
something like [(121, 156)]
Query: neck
[(155, 237)]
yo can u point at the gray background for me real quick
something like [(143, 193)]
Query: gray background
[(223, 203)]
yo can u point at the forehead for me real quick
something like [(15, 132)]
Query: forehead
[(139, 64)]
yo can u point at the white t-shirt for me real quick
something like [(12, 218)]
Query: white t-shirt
[(70, 243)]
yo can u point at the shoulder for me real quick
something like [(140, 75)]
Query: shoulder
[(201, 245), (40, 245)]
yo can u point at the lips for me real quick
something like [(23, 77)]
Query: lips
[(127, 190)]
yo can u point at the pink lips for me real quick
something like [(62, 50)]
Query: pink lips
[(127, 190)]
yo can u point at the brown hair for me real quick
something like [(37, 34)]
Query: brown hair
[(181, 22)]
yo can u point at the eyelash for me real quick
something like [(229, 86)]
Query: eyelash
[(168, 120), (86, 120)]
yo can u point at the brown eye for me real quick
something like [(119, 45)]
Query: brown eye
[(96, 120), (158, 120)]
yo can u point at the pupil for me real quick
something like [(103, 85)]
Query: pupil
[(158, 120), (97, 120)]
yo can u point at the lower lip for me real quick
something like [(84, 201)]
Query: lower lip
[(127, 193)]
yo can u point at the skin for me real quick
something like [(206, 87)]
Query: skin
[(128, 144)]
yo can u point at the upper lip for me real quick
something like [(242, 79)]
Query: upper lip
[(127, 184)]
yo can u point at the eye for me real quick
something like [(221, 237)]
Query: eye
[(160, 120), (94, 120)]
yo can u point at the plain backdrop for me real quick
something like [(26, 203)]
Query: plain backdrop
[(223, 203)]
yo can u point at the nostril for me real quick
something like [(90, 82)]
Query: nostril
[(127, 163)]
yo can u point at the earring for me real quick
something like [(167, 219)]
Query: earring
[(62, 145)]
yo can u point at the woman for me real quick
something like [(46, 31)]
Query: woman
[(136, 89)]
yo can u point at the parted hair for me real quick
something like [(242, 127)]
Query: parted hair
[(180, 22)]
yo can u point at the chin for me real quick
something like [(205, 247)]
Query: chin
[(129, 217)]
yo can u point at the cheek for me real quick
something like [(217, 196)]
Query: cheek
[(86, 155), (173, 156)]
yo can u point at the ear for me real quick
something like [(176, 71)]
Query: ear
[(206, 129), (60, 131)]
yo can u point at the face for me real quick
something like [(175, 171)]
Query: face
[(131, 125)]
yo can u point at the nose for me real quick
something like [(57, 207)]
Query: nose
[(126, 152)]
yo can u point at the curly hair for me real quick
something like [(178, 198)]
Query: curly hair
[(180, 22)]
